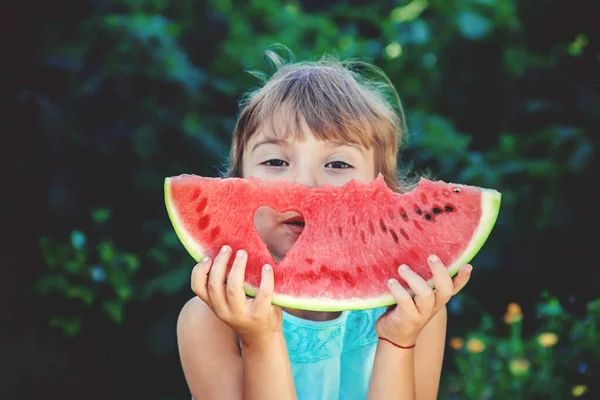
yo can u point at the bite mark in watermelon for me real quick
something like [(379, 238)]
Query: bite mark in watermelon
[(354, 239)]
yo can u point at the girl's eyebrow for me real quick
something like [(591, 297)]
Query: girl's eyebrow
[(280, 142), (349, 144)]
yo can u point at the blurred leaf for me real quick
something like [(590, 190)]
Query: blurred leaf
[(132, 262), (594, 307), (51, 283), (124, 293), (69, 327), (101, 215), (168, 283), (408, 12), (145, 142), (81, 293), (106, 251), (78, 239), (582, 156), (393, 50), (577, 46), (550, 308), (114, 311), (97, 274), (472, 25), (159, 255)]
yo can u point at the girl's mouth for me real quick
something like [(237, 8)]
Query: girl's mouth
[(295, 223)]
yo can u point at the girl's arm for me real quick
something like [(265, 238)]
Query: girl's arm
[(414, 373), (411, 373), (214, 367), (209, 326)]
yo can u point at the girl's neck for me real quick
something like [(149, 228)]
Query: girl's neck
[(313, 315)]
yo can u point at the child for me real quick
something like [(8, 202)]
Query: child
[(314, 123)]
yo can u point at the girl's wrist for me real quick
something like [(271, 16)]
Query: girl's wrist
[(406, 344), (258, 341)]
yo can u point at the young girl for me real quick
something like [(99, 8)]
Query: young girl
[(314, 123)]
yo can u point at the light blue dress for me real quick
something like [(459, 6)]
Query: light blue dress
[(332, 360)]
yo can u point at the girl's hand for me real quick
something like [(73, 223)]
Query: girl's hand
[(403, 323), (253, 318)]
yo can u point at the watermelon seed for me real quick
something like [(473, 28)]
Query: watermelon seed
[(418, 226), (403, 232), (390, 213), (309, 260), (201, 205), (363, 238), (203, 222), (359, 269), (446, 192), (418, 210), (428, 217), (353, 220), (382, 225), (371, 228), (424, 198), (394, 236), (311, 276), (448, 208), (403, 213), (348, 278), (436, 210), (214, 232), (456, 190), (195, 194)]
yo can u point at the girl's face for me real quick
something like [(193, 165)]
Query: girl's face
[(307, 161)]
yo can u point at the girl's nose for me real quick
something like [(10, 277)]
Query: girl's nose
[(307, 177)]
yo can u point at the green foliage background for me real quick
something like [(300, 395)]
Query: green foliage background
[(106, 98)]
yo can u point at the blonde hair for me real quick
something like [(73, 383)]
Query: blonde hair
[(350, 101)]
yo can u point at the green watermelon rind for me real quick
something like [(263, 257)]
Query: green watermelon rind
[(192, 247), (490, 207)]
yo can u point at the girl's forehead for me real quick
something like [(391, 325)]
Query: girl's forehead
[(291, 138), (298, 129)]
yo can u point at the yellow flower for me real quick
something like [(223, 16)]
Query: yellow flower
[(519, 366), (456, 343), (514, 308), (475, 346), (513, 313), (547, 339), (578, 390)]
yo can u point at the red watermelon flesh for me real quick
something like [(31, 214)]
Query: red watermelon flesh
[(355, 236)]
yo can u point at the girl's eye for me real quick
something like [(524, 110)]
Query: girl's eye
[(275, 163), (338, 165)]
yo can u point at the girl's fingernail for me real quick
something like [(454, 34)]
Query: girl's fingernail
[(392, 282), (433, 259), (224, 249), (240, 254), (204, 260), (404, 268), (267, 267)]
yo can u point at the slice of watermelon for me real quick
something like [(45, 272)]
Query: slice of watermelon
[(354, 239)]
